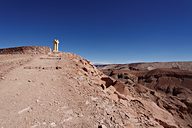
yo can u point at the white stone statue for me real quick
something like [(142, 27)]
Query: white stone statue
[(55, 45)]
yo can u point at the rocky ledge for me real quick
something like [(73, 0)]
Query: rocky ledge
[(26, 50)]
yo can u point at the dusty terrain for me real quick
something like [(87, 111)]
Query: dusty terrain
[(63, 90)]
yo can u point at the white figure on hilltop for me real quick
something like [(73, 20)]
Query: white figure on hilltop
[(55, 45)]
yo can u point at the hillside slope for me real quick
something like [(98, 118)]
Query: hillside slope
[(65, 90)]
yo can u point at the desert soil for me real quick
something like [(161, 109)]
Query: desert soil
[(39, 91)]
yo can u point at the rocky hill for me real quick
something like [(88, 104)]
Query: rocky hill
[(65, 90), (26, 50)]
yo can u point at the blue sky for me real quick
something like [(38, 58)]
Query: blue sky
[(103, 31)]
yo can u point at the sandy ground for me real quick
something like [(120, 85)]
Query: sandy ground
[(40, 94)]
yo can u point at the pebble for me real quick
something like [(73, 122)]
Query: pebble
[(44, 123), (58, 67), (102, 126), (81, 78), (50, 103), (87, 102), (34, 126), (94, 98), (2, 78), (65, 120), (24, 110), (53, 124), (37, 101)]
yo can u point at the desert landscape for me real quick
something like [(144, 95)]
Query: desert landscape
[(96, 64), (57, 89)]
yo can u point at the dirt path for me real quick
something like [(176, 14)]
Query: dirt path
[(41, 94)]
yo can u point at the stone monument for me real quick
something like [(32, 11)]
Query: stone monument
[(56, 45)]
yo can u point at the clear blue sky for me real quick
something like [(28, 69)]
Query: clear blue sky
[(103, 31)]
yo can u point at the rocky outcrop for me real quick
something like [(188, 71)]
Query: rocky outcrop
[(169, 88), (26, 50)]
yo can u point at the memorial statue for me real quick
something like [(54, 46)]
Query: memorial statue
[(56, 45)]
